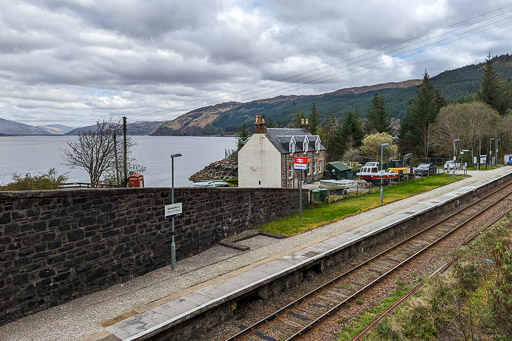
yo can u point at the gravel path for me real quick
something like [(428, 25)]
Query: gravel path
[(83, 317)]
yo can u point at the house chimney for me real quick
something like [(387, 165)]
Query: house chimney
[(260, 127), (305, 124)]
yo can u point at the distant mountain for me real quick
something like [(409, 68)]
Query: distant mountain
[(14, 128), (137, 128), (56, 129), (226, 118), (196, 121)]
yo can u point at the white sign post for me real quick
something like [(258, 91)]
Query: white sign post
[(173, 210), (300, 164)]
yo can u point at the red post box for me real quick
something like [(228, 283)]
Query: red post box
[(136, 180)]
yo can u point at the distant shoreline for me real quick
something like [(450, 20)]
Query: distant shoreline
[(65, 135)]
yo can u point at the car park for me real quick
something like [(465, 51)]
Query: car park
[(425, 169), (210, 183)]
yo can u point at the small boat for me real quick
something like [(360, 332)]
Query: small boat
[(370, 172), (334, 185)]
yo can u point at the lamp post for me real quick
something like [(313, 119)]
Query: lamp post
[(496, 154), (381, 165), (173, 245), (490, 151), (454, 158), (462, 152)]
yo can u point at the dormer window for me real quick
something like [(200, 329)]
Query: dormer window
[(317, 144), (305, 145), (291, 145)]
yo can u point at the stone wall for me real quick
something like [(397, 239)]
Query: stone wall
[(59, 245)]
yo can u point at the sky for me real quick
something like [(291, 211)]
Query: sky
[(74, 62)]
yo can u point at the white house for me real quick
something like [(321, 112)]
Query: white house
[(266, 160)]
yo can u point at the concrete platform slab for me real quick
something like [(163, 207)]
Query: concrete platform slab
[(214, 275)]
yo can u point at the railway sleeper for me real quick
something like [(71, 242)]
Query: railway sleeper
[(333, 260)]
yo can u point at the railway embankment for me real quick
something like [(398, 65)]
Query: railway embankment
[(217, 302), (210, 274)]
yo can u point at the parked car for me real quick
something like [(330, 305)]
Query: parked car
[(448, 165), (425, 169), (210, 183)]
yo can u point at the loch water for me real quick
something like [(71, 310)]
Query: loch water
[(37, 154)]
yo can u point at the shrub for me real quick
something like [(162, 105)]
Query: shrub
[(501, 292), (49, 180)]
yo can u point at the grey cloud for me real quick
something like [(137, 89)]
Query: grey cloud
[(79, 60), (142, 19)]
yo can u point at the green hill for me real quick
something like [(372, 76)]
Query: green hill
[(225, 118)]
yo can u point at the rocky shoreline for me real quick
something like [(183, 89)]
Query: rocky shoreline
[(224, 169)]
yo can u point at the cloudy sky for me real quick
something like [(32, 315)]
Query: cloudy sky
[(75, 61)]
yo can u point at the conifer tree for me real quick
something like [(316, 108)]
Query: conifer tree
[(326, 131), (347, 135), (270, 122), (378, 119), (352, 129), (297, 116), (416, 126), (493, 90), (242, 136), (314, 120), (336, 146)]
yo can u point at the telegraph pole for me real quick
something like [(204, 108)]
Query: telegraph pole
[(125, 161)]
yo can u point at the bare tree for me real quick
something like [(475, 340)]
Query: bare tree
[(100, 154), (471, 123)]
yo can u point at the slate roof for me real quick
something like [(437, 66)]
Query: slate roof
[(281, 137)]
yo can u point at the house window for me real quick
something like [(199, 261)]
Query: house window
[(290, 171), (291, 145), (305, 144), (317, 144), (314, 167), (309, 168), (320, 166)]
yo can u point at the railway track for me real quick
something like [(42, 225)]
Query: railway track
[(299, 316), (366, 330)]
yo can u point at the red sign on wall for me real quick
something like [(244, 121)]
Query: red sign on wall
[(300, 163)]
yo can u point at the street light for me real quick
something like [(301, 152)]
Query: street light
[(173, 245), (381, 165), (496, 145), (462, 153), (490, 151), (454, 158)]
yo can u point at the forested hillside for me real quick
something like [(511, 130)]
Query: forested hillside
[(226, 118)]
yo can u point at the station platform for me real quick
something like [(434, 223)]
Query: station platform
[(148, 303)]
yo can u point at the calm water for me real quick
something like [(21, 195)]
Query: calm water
[(37, 154)]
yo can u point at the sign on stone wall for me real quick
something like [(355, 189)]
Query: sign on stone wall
[(173, 210)]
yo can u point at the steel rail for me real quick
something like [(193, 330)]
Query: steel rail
[(413, 290), (308, 327), (302, 298)]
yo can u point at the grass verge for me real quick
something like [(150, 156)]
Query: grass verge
[(484, 168), (315, 216), (472, 300)]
